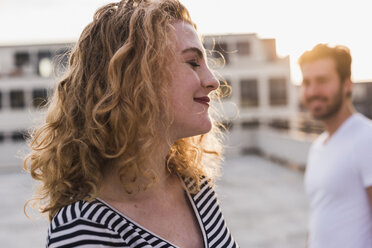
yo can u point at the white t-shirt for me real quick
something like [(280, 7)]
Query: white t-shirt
[(337, 175)]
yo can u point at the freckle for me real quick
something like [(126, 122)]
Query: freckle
[(135, 205)]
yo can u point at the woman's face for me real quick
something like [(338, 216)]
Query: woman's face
[(192, 81)]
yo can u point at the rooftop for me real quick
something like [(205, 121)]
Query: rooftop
[(263, 203)]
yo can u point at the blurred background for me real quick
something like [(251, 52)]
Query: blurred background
[(269, 132)]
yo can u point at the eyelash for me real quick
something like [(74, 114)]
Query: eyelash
[(193, 64)]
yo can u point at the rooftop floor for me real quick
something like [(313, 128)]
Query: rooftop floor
[(263, 203)]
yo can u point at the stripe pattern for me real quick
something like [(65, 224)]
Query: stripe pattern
[(95, 224)]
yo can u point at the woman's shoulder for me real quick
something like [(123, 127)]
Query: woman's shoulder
[(80, 210), (83, 223)]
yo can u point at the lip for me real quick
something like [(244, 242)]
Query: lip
[(203, 100), (315, 102)]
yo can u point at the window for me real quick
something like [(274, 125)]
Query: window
[(17, 99), (39, 97), (62, 55), (44, 63), (61, 59), (252, 124), (21, 59), (227, 126), (220, 48), (225, 87), (208, 45), (248, 93), (279, 124), (19, 136), (244, 47), (278, 91), (308, 126)]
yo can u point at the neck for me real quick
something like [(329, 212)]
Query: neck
[(113, 190), (334, 122)]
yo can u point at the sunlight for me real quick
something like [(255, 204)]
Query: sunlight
[(297, 26), (360, 51)]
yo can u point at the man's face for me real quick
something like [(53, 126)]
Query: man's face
[(322, 91)]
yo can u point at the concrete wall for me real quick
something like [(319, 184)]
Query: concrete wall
[(291, 148)]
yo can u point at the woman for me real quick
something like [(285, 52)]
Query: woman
[(128, 151)]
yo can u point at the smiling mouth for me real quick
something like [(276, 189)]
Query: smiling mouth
[(203, 100)]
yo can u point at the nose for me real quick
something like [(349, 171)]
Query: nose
[(209, 80), (310, 89)]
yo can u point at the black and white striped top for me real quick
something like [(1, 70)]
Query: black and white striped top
[(96, 224)]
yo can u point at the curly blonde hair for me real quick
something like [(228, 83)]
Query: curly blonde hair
[(107, 109)]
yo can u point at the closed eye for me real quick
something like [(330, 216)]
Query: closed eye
[(193, 64)]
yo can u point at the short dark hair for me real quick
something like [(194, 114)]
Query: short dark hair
[(340, 54)]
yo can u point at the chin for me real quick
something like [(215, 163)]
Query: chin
[(206, 130), (201, 129), (207, 125)]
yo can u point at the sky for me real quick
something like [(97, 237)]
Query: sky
[(297, 25)]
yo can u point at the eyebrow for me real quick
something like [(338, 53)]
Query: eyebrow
[(195, 50)]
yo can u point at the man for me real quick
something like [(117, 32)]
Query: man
[(338, 177)]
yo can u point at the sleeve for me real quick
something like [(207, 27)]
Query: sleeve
[(85, 233)]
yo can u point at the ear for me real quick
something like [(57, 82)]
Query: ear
[(348, 87)]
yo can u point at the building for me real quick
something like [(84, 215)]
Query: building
[(262, 93), (263, 113), (362, 92), (27, 77)]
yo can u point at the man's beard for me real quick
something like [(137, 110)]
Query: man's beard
[(336, 103)]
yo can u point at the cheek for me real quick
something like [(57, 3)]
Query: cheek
[(302, 95), (180, 102)]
